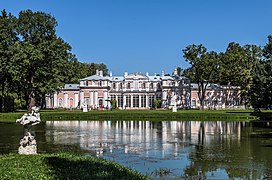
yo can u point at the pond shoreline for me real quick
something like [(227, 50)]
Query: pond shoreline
[(150, 115)]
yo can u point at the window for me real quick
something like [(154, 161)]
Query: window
[(87, 83), (112, 97), (143, 85), (151, 86), (100, 102), (60, 102), (114, 86), (128, 103), (128, 85), (120, 86), (135, 100), (120, 101), (143, 101), (151, 101), (158, 86), (194, 103), (100, 83), (71, 102)]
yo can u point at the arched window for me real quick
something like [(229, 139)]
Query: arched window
[(60, 102), (71, 102), (151, 86), (143, 86), (120, 86), (158, 86)]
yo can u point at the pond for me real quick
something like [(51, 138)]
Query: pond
[(167, 149)]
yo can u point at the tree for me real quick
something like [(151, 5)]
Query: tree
[(92, 67), (260, 94), (237, 65), (42, 55), (203, 67), (8, 37)]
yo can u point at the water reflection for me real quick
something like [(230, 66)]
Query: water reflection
[(200, 149), (218, 150)]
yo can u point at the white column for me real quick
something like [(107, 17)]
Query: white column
[(76, 100), (65, 100), (125, 101), (105, 98), (147, 101), (55, 99), (164, 94), (131, 101), (91, 98), (116, 98), (81, 98), (140, 101), (96, 98)]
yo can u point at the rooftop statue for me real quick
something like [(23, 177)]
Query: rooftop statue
[(28, 143)]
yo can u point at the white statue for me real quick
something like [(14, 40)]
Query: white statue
[(30, 119), (28, 143)]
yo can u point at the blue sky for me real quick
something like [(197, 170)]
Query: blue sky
[(149, 35)]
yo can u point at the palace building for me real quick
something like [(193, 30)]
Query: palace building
[(138, 91)]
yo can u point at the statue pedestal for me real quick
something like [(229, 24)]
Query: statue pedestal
[(28, 145)]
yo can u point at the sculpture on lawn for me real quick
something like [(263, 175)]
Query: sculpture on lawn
[(28, 144)]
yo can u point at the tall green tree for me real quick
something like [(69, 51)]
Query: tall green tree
[(237, 65), (260, 94), (203, 67), (41, 54), (8, 37)]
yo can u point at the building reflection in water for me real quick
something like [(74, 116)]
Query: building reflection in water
[(186, 147), (142, 137)]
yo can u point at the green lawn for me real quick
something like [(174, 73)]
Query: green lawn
[(151, 115), (62, 166)]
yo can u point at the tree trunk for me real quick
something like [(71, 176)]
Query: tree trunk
[(43, 103), (31, 100), (31, 96), (2, 104)]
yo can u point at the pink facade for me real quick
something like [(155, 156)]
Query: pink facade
[(138, 91)]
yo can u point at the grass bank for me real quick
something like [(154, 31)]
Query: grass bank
[(62, 166), (150, 115)]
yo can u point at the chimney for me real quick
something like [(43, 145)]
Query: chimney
[(125, 74), (162, 74), (147, 74), (96, 72), (110, 73), (101, 73)]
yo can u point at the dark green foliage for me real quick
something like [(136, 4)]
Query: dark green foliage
[(92, 67), (204, 66), (62, 166), (113, 103), (34, 61), (261, 91), (157, 103)]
